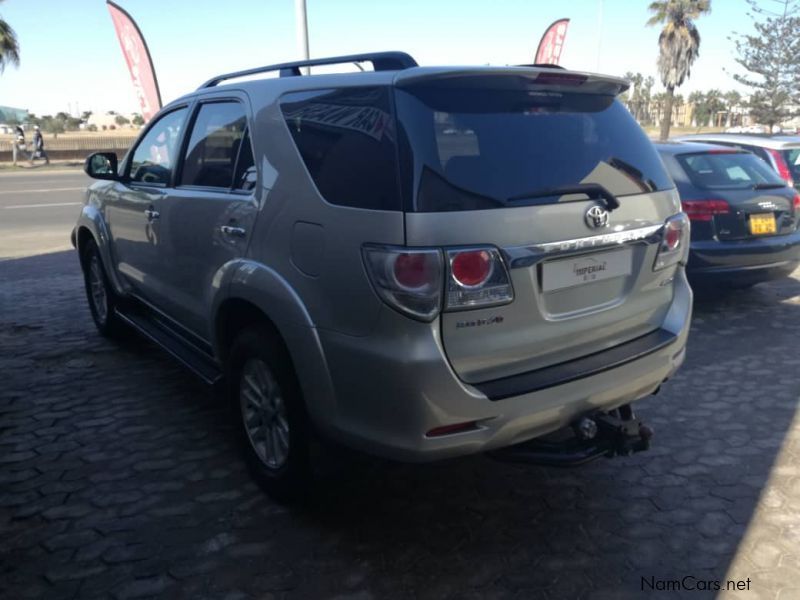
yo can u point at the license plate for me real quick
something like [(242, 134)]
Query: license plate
[(588, 268), (763, 224)]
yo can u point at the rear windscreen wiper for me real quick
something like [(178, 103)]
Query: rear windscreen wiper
[(768, 186), (592, 190)]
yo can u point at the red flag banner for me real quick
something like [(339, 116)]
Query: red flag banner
[(137, 56), (552, 43)]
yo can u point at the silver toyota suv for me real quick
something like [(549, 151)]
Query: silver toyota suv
[(420, 263)]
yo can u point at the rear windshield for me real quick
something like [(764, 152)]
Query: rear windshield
[(472, 149), (792, 158), (727, 170)]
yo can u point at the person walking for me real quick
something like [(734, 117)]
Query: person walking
[(18, 145), (38, 146)]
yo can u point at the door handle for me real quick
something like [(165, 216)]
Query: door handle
[(233, 231), (151, 214)]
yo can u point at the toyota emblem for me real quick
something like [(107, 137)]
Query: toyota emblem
[(596, 217)]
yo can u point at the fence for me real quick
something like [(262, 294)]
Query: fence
[(73, 147)]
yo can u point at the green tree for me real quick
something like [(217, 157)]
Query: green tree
[(733, 100), (699, 114), (85, 115), (120, 120), (137, 120), (9, 45), (770, 59), (679, 46), (715, 104)]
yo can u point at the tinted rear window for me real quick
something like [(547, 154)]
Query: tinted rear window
[(727, 170), (469, 149), (347, 141)]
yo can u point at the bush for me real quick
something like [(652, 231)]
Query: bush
[(92, 127)]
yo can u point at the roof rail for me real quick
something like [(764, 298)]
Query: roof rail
[(381, 61)]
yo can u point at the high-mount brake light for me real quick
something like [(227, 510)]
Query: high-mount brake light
[(557, 78)]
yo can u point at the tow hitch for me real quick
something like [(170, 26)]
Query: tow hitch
[(591, 436)]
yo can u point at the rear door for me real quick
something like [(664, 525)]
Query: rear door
[(136, 202), (500, 161), (207, 219)]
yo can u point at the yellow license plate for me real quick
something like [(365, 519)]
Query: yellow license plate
[(763, 224)]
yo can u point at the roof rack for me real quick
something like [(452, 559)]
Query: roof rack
[(381, 61)]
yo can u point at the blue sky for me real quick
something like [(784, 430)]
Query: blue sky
[(71, 57)]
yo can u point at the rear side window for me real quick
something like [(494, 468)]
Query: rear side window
[(727, 170), (480, 148), (214, 145), (346, 139)]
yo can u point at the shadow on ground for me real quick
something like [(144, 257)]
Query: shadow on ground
[(119, 474)]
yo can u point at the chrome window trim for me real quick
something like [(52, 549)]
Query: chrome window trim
[(524, 256)]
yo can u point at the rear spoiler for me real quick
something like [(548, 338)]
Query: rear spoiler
[(522, 77)]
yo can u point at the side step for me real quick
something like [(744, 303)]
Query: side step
[(618, 433), (174, 343)]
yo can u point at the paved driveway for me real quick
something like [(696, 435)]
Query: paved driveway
[(119, 475)]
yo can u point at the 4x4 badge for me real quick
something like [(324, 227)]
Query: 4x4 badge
[(596, 217)]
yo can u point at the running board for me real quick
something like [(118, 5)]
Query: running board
[(191, 357)]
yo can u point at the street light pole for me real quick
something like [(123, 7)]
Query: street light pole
[(302, 30)]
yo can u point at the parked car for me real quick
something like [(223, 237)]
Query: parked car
[(354, 270), (781, 152), (744, 217)]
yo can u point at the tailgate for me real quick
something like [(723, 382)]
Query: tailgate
[(499, 159), (574, 293)]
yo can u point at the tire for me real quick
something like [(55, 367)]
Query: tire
[(270, 416), (103, 301)]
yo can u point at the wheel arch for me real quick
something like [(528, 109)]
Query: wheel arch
[(256, 294), (92, 226)]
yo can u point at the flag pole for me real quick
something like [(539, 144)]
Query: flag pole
[(599, 33), (301, 19)]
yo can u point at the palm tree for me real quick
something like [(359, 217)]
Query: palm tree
[(715, 104), (679, 45), (9, 46)]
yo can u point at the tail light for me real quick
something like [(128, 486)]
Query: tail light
[(674, 242), (796, 203), (476, 278), (411, 280), (704, 210), (780, 164)]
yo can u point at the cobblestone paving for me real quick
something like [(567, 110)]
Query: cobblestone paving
[(119, 476)]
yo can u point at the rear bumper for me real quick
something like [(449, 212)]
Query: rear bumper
[(392, 388), (744, 261)]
